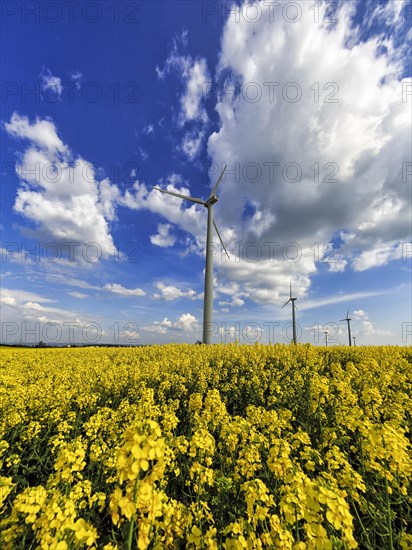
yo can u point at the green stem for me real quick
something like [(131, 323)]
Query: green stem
[(131, 526), (362, 527), (388, 515), (296, 525)]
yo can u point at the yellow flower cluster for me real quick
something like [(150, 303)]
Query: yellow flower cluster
[(183, 446)]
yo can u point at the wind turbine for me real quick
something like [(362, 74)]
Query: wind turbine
[(293, 312), (326, 337), (208, 294), (354, 341), (348, 320)]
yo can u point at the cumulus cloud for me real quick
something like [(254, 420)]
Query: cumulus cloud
[(233, 291), (122, 291), (235, 302), (158, 327), (163, 237), (378, 256), (170, 292), (60, 193), (343, 127), (359, 314), (186, 323), (326, 165), (188, 216), (42, 133)]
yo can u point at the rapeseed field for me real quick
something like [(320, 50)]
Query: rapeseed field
[(223, 446)]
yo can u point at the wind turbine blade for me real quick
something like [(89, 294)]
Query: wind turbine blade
[(342, 320), (192, 199), (347, 315), (217, 183), (220, 238), (290, 286), (286, 303)]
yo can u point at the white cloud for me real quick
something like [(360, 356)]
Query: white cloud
[(170, 292), (12, 296), (196, 83), (179, 41), (28, 320), (59, 193), (51, 82), (307, 304), (236, 302), (231, 332), (377, 257), (14, 255), (65, 279), (359, 314), (119, 289), (197, 86), (78, 295), (188, 216), (365, 135), (186, 323), (163, 237), (158, 327), (337, 266), (191, 144), (232, 290), (42, 133), (21, 307), (365, 138)]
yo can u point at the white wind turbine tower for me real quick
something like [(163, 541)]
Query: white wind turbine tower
[(293, 312), (348, 320), (208, 293)]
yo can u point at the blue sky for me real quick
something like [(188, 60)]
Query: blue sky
[(308, 105)]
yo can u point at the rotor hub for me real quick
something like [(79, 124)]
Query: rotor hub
[(212, 200)]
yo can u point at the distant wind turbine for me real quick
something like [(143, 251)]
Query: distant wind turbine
[(348, 320), (354, 341), (293, 312), (326, 337), (208, 294)]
